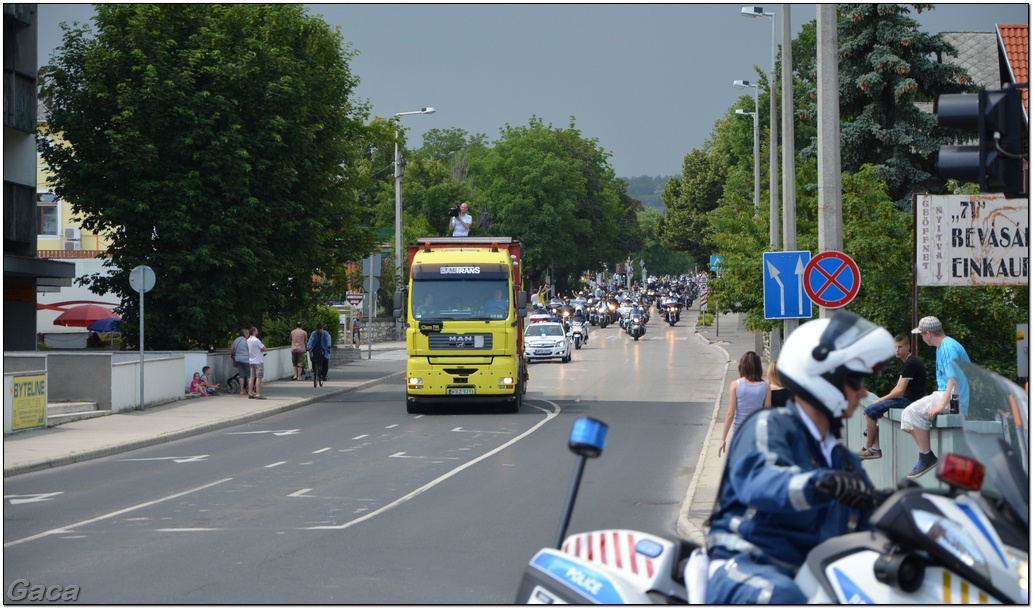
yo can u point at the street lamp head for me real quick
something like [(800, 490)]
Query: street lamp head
[(752, 11), (742, 84), (741, 112), (427, 110)]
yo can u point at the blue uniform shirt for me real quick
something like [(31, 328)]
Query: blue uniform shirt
[(768, 503)]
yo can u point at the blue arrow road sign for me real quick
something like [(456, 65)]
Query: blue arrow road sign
[(784, 295)]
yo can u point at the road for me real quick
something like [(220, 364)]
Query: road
[(352, 500)]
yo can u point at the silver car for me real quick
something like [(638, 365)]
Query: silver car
[(547, 340)]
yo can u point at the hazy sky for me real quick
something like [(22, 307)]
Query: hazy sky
[(648, 81)]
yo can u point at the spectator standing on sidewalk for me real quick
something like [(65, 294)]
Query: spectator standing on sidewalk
[(779, 394), (240, 359), (917, 419), (909, 388), (789, 484), (299, 339), (256, 351), (746, 395), (356, 328)]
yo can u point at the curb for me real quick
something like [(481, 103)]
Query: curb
[(685, 528), (107, 451)]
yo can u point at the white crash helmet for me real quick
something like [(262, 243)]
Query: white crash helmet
[(819, 355)]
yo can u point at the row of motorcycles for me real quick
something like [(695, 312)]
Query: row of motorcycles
[(966, 541), (630, 309)]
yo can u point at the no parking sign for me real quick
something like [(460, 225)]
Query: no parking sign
[(831, 279)]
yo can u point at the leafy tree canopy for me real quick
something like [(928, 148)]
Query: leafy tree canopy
[(217, 144)]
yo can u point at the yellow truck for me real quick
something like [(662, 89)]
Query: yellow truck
[(465, 323)]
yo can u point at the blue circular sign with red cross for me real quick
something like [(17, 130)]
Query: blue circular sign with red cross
[(831, 279)]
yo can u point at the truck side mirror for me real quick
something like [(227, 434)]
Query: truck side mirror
[(521, 304), (398, 305)]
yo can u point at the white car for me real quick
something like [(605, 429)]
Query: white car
[(547, 340)]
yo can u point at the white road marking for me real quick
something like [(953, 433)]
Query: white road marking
[(548, 417), (16, 499), (365, 435), (321, 450), (405, 456), (275, 432), (391, 426), (65, 529), (275, 464), (186, 530), (476, 431), (300, 493), (193, 459)]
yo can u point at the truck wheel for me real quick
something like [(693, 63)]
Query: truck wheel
[(514, 406)]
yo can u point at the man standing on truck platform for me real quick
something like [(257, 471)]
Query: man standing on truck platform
[(460, 225)]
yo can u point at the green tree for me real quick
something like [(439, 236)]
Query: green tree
[(689, 198), (886, 65), (556, 191), (216, 144), (660, 260)]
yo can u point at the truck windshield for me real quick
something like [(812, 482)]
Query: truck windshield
[(460, 298)]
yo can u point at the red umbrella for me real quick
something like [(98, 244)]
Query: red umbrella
[(84, 315)]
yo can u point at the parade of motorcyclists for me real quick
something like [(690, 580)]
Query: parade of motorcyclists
[(603, 303)]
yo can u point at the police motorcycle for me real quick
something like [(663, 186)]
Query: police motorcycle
[(966, 543), (538, 314), (578, 328), (635, 325), (671, 307)]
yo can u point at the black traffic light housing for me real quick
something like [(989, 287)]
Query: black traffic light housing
[(995, 163)]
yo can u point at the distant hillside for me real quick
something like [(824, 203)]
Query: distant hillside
[(647, 189)]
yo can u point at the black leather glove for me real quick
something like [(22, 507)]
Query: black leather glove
[(848, 488)]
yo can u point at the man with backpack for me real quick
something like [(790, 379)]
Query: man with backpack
[(319, 347)]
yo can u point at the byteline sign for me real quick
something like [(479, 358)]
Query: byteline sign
[(971, 240)]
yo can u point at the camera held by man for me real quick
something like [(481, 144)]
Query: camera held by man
[(460, 220)]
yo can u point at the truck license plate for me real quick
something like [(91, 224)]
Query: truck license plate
[(460, 392)]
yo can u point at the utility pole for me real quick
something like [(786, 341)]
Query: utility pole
[(830, 182), (788, 151)]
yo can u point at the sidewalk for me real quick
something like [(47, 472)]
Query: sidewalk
[(86, 439), (733, 339)]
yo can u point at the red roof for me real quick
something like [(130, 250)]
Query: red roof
[(1014, 39)]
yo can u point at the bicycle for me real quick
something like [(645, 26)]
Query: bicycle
[(319, 368)]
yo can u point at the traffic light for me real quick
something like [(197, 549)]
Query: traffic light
[(995, 163)]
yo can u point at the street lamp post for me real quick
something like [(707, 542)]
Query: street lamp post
[(742, 84), (752, 12), (398, 201)]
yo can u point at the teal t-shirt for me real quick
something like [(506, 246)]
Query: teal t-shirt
[(948, 351)]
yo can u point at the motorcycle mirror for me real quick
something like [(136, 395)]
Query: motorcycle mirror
[(587, 437)]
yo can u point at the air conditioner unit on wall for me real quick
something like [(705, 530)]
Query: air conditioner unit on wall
[(73, 245), (72, 233)]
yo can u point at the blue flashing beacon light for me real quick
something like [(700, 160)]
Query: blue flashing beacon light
[(587, 437)]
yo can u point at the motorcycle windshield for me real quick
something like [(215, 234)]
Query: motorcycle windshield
[(996, 433)]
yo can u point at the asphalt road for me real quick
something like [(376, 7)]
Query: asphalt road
[(354, 501)]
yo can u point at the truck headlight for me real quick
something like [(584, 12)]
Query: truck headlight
[(414, 381)]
